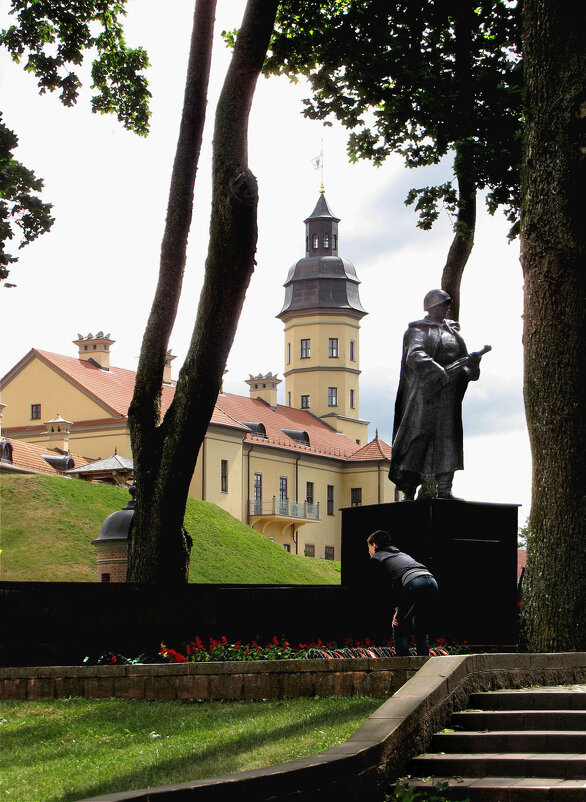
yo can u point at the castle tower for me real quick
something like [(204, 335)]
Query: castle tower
[(322, 313)]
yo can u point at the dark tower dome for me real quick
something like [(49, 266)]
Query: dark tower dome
[(322, 280)]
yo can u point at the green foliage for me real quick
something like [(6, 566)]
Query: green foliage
[(20, 206), (52, 37), (405, 793), (48, 523), (523, 535), (421, 79), (79, 748)]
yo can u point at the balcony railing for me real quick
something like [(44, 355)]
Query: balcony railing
[(285, 508)]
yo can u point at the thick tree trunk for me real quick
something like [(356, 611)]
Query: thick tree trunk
[(159, 549), (552, 255), (147, 436)]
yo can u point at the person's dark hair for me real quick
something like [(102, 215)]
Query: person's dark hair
[(380, 538)]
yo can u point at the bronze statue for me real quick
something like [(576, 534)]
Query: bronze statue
[(435, 371)]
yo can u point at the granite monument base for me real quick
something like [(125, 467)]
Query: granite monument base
[(471, 549)]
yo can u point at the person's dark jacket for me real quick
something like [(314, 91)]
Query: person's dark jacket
[(395, 563)]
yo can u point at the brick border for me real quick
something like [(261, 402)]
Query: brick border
[(377, 752), (270, 679)]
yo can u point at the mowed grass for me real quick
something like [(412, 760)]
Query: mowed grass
[(71, 749), (47, 525)]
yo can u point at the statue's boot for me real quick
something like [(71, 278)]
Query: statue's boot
[(444, 485)]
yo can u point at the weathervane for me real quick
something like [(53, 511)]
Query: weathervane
[(318, 163)]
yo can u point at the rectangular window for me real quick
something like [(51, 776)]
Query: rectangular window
[(309, 493), (351, 399), (283, 495), (352, 352), (333, 346), (304, 402), (310, 549), (257, 493), (35, 412), (224, 475), (330, 499), (332, 396), (287, 547), (356, 497), (288, 353), (305, 349), (289, 399), (329, 553)]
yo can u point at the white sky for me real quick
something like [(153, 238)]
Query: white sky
[(98, 266)]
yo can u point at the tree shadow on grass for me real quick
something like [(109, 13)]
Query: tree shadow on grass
[(217, 760)]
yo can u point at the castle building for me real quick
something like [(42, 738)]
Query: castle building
[(285, 469)]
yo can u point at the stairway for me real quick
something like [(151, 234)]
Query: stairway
[(510, 746)]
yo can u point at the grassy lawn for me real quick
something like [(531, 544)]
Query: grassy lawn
[(47, 525), (71, 749)]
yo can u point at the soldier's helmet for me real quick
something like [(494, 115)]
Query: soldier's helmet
[(435, 298)]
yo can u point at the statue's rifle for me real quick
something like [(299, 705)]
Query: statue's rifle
[(466, 360)]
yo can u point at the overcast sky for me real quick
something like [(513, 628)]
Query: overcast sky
[(97, 268)]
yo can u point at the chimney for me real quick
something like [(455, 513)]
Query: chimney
[(58, 431), (264, 387), (95, 349), (169, 357)]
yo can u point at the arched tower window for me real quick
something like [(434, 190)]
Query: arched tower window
[(315, 241), (334, 241), (326, 240)]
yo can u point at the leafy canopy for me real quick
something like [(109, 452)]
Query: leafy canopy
[(52, 37), (421, 78)]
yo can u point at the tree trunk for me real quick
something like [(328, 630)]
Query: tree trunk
[(552, 256), (463, 241), (165, 455)]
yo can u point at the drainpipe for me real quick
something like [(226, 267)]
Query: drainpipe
[(203, 470), (248, 485), (296, 538)]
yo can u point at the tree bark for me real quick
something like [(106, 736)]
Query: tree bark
[(552, 256), (165, 454)]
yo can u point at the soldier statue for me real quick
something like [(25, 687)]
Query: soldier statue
[(435, 370)]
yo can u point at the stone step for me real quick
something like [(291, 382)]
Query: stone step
[(534, 699), (480, 720), (510, 741), (512, 764), (506, 789)]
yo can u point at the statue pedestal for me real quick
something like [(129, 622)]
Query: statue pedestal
[(471, 549)]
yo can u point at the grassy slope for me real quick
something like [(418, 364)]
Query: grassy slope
[(47, 525)]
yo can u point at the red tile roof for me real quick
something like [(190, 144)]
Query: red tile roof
[(376, 449), (28, 457), (113, 390)]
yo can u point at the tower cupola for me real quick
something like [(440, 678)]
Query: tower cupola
[(322, 279)]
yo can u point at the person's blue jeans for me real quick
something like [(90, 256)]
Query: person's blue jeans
[(414, 614)]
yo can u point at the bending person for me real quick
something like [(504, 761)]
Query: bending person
[(417, 591)]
